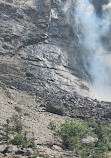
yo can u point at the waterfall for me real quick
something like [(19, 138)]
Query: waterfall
[(97, 59), (93, 28)]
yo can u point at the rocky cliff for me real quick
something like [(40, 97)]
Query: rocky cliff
[(40, 52)]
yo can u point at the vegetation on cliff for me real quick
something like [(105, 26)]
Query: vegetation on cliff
[(85, 139)]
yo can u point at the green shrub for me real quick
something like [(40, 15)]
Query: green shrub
[(4, 87), (52, 125), (32, 142), (17, 124), (8, 94), (46, 156), (60, 111), (55, 109), (6, 131), (19, 140), (72, 135), (13, 133), (61, 156)]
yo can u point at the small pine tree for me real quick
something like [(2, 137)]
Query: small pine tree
[(32, 141), (17, 124), (6, 130)]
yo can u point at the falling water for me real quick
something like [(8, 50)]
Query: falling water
[(93, 28)]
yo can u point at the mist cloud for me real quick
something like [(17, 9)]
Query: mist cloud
[(92, 29)]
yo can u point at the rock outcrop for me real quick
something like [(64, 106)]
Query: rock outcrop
[(39, 50)]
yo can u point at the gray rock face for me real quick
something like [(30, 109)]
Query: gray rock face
[(98, 5), (39, 50)]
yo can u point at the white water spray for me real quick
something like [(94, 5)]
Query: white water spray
[(92, 30)]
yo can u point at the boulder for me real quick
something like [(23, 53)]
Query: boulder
[(56, 148), (29, 152), (10, 149), (89, 140)]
